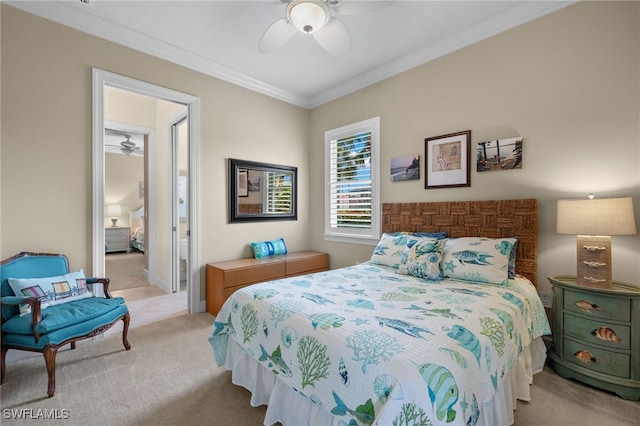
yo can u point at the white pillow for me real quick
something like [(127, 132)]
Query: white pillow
[(484, 260), (51, 290)]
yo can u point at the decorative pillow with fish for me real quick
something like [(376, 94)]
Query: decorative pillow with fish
[(391, 246), (484, 260), (512, 259), (423, 259)]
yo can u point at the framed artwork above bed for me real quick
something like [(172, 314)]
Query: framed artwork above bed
[(447, 160)]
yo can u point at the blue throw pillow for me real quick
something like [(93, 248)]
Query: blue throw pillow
[(269, 248)]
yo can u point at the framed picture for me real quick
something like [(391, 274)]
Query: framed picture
[(500, 154), (447, 160), (243, 183), (405, 168)]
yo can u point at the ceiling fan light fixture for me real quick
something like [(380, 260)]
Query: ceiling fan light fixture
[(308, 16)]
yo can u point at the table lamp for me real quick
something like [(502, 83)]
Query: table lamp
[(114, 211), (593, 221)]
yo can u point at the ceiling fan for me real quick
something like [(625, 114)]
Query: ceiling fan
[(316, 17), (127, 147)]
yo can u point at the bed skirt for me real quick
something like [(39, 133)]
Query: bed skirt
[(288, 407)]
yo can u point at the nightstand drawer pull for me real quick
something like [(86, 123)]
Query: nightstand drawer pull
[(586, 357), (588, 306), (605, 333)]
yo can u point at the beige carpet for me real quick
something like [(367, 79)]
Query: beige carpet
[(125, 270), (169, 377)]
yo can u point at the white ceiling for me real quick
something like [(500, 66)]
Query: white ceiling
[(220, 38)]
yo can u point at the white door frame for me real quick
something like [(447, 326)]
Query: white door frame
[(100, 80), (175, 216)]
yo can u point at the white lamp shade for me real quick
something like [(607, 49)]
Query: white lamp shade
[(307, 16), (114, 210), (607, 216)]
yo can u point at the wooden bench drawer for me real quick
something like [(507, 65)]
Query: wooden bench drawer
[(305, 263), (224, 278)]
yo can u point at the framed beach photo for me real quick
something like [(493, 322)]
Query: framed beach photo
[(500, 154), (404, 168), (447, 160)]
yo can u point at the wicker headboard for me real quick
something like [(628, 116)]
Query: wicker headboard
[(491, 219)]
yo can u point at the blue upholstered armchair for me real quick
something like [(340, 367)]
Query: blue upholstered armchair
[(45, 306)]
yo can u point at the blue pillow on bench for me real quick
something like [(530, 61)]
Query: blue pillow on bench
[(269, 248)]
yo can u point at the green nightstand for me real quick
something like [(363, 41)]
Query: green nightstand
[(596, 335)]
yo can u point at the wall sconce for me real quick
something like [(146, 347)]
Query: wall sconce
[(593, 222), (114, 211)]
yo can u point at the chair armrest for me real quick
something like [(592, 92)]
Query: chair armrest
[(34, 304), (14, 300), (105, 285)]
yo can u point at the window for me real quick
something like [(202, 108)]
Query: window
[(352, 204), (277, 192)]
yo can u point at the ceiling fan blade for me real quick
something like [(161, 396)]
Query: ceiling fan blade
[(358, 7), (334, 38), (276, 35)]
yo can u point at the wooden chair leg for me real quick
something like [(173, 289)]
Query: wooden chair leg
[(49, 353), (126, 320), (4, 355)]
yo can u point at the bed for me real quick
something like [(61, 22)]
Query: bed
[(388, 341), (136, 221)]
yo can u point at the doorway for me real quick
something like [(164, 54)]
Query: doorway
[(159, 235)]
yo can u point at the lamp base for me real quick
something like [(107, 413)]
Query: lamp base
[(594, 261), (114, 221)]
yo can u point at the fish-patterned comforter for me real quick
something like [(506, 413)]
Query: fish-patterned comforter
[(375, 347)]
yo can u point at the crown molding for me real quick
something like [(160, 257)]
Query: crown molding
[(82, 17)]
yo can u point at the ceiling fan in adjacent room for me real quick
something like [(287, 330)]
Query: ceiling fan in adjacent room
[(126, 147), (316, 17)]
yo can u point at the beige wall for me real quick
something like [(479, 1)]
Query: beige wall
[(46, 141), (568, 83), (122, 174)]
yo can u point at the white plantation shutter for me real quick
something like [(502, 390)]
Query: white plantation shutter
[(352, 182), (277, 192)]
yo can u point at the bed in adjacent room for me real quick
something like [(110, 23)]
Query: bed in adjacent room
[(389, 341), (136, 220)]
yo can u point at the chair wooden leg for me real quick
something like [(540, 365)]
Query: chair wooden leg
[(73, 345), (126, 320), (4, 355), (49, 353)]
